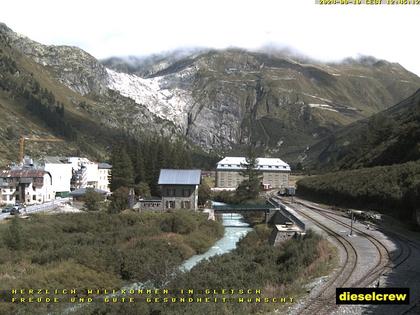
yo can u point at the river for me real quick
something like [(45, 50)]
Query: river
[(235, 229)]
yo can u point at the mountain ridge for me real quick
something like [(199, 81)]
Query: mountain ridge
[(389, 137), (217, 99)]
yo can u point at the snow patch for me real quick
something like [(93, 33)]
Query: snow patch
[(317, 97), (323, 106), (168, 104)]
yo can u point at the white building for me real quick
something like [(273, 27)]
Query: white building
[(61, 171), (275, 172), (26, 185), (90, 174), (104, 171), (86, 172)]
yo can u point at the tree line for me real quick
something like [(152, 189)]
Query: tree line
[(136, 164), (39, 101), (391, 189)]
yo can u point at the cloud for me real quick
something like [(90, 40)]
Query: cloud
[(112, 28)]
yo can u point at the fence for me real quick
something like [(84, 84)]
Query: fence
[(45, 206)]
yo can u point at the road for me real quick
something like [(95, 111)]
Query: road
[(367, 256), (38, 208)]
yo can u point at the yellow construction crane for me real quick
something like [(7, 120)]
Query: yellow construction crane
[(26, 138)]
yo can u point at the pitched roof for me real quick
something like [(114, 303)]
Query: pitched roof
[(274, 164), (55, 160), (179, 177), (104, 166), (23, 172)]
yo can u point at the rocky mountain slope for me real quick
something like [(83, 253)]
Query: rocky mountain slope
[(36, 79), (215, 99), (222, 98), (389, 137)]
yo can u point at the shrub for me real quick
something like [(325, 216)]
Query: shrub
[(179, 222)]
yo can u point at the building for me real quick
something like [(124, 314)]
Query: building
[(89, 174), (179, 188), (150, 203), (283, 232), (85, 173), (275, 172), (61, 172), (104, 172), (26, 185)]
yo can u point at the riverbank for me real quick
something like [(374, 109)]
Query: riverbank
[(98, 250), (272, 277)]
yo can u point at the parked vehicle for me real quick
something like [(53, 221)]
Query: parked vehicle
[(7, 209), (14, 211)]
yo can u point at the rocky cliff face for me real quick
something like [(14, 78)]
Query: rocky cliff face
[(71, 66), (222, 99)]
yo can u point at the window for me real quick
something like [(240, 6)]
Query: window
[(170, 192), (186, 204), (186, 192), (170, 204), (34, 197)]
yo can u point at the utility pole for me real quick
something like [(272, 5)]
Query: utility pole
[(351, 224)]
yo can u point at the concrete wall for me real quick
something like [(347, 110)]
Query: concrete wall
[(278, 237), (61, 176), (232, 178), (7, 195), (179, 196), (103, 179), (150, 205)]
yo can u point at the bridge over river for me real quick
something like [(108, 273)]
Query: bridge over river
[(274, 211), (245, 208)]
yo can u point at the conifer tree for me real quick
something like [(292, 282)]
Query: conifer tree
[(122, 169), (250, 187)]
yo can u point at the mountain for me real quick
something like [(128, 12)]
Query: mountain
[(389, 137), (223, 98), (215, 99), (36, 80), (373, 164)]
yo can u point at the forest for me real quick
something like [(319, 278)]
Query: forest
[(139, 161), (393, 189)]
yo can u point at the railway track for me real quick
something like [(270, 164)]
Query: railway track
[(405, 244), (324, 302), (387, 260), (384, 254)]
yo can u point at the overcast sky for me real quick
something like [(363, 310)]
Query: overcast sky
[(137, 27)]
